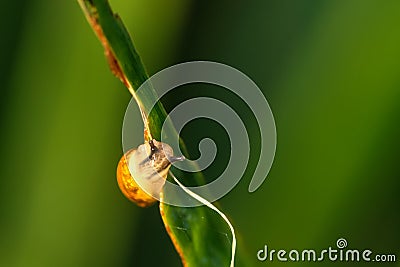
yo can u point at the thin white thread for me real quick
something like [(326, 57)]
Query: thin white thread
[(211, 206)]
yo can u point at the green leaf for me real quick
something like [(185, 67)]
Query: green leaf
[(200, 235)]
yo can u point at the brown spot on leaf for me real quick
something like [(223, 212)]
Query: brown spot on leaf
[(171, 235), (111, 59)]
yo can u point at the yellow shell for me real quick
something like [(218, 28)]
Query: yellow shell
[(149, 165)]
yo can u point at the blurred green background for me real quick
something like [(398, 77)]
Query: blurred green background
[(329, 69)]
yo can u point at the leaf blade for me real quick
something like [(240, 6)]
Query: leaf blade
[(200, 237)]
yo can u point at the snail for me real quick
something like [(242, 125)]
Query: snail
[(147, 165)]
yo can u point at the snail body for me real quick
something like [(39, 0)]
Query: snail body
[(142, 172)]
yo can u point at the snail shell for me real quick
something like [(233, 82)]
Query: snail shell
[(141, 172)]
